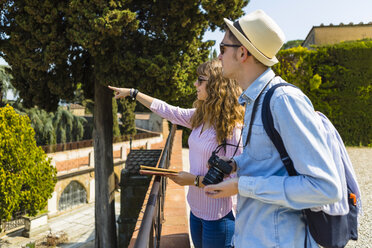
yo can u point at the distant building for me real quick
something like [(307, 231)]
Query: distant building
[(77, 109), (327, 35), (149, 121)]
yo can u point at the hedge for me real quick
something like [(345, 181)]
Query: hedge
[(338, 80)]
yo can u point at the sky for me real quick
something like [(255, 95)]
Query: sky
[(297, 17)]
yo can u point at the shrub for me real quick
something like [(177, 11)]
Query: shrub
[(338, 80), (27, 179)]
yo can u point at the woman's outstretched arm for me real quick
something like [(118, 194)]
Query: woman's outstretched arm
[(176, 115), (124, 92)]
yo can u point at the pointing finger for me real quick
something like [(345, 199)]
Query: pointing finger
[(113, 88)]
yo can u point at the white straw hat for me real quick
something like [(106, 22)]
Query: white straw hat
[(259, 34)]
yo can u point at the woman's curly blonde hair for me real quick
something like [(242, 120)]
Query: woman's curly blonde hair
[(221, 108)]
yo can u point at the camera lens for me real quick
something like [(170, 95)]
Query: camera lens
[(217, 171), (213, 176)]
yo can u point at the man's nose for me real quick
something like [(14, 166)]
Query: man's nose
[(220, 56)]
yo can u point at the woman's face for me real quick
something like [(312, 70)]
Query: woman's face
[(201, 87)]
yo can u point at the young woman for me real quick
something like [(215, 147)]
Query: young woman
[(216, 118)]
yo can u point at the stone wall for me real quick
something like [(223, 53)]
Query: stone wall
[(78, 165)]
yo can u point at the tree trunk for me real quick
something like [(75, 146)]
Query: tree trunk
[(104, 169)]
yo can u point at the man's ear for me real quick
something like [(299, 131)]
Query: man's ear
[(243, 53)]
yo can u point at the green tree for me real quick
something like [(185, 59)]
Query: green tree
[(213, 54), (291, 44), (151, 45), (115, 125), (42, 123), (53, 127), (68, 127), (27, 179), (337, 78), (126, 109), (5, 84)]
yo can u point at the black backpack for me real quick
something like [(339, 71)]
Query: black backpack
[(327, 230)]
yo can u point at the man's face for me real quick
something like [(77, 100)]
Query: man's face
[(228, 58)]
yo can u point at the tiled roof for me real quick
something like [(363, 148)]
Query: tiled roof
[(142, 157)]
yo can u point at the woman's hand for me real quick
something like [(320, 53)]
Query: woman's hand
[(183, 178), (120, 92)]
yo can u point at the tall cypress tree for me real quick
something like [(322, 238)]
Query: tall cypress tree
[(126, 109), (5, 85), (52, 46)]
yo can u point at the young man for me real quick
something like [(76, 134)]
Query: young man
[(269, 200)]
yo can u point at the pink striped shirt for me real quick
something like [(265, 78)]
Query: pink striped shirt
[(201, 146)]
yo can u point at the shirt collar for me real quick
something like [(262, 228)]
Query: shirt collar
[(252, 92)]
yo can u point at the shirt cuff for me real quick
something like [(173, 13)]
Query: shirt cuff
[(237, 160), (246, 186)]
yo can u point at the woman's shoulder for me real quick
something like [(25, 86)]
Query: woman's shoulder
[(238, 128), (236, 132)]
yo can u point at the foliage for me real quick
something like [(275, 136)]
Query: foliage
[(44, 126), (27, 179), (5, 84), (54, 127), (213, 54), (68, 127), (338, 80), (115, 126), (126, 109), (52, 48), (291, 44)]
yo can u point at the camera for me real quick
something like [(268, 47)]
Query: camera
[(216, 172)]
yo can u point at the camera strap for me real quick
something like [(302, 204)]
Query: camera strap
[(254, 110)]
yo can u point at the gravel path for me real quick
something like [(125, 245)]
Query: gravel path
[(362, 162)]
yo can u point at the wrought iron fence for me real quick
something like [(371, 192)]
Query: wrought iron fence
[(14, 223), (150, 230)]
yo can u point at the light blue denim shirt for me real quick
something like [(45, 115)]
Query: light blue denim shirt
[(269, 201)]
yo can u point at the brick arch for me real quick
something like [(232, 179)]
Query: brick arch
[(74, 194)]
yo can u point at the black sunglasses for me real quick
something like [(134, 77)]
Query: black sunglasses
[(223, 45), (201, 79)]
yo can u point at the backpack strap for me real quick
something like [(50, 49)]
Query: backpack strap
[(268, 123), (254, 110)]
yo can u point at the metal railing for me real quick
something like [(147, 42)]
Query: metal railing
[(150, 230)]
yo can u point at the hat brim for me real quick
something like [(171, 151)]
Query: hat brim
[(251, 48)]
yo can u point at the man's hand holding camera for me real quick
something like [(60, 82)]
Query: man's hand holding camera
[(223, 189), (220, 167)]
